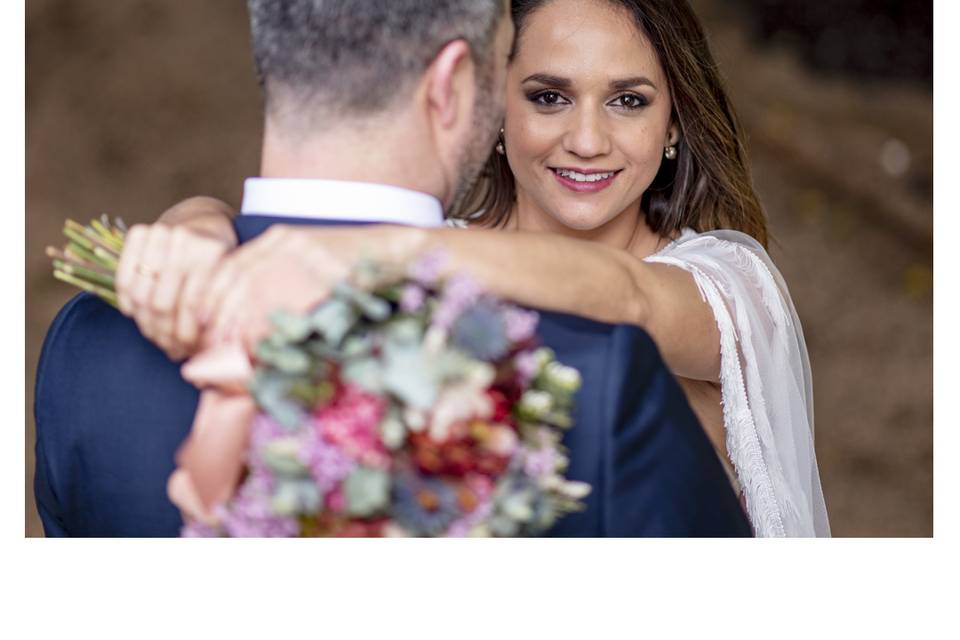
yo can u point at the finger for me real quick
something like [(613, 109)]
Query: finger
[(225, 320), (230, 270), (168, 285), (217, 287), (147, 329), (163, 301), (130, 257), (187, 329), (146, 271), (183, 494), (146, 276)]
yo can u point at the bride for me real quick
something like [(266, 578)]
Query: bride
[(619, 191)]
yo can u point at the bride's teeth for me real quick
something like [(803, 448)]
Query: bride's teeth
[(584, 177)]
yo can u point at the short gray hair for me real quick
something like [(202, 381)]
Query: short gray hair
[(359, 56)]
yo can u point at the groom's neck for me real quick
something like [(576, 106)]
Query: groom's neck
[(376, 152)]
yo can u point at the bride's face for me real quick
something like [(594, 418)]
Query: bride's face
[(588, 114)]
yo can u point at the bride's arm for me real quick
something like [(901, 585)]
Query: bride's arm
[(205, 216), (591, 280), (534, 269)]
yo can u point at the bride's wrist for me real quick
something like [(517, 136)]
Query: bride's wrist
[(213, 226), (203, 216)]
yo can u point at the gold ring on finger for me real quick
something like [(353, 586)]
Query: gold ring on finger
[(153, 274)]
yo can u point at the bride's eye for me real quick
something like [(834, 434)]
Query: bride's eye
[(547, 99), (630, 101)]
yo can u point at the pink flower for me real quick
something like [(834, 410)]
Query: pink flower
[(459, 293), (329, 464), (352, 421), (527, 366), (428, 268), (263, 430), (336, 501), (521, 324), (412, 297), (461, 527), (540, 462)]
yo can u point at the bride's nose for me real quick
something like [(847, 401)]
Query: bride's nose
[(587, 135)]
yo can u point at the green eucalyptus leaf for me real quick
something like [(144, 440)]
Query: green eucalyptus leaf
[(323, 351), (365, 373), (333, 319), (291, 327), (288, 359), (373, 307), (271, 390), (296, 497), (283, 457), (408, 373), (366, 491), (355, 346), (405, 330), (517, 506), (502, 526)]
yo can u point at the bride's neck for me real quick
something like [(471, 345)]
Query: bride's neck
[(628, 230)]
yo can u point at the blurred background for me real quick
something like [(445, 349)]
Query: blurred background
[(134, 105)]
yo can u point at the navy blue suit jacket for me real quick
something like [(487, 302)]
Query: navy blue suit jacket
[(111, 411)]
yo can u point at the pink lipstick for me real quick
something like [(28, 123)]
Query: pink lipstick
[(584, 180)]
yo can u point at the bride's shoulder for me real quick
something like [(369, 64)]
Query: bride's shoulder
[(721, 245), (733, 260)]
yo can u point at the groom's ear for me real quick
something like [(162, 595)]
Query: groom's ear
[(450, 85)]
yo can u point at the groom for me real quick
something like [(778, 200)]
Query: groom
[(382, 112)]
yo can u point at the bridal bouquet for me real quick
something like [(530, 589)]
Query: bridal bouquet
[(422, 408)]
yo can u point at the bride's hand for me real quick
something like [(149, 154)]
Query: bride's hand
[(294, 268), (165, 266)]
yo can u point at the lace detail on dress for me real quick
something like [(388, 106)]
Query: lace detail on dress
[(743, 444), (767, 409)]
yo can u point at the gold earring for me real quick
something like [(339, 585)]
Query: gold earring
[(500, 148), (670, 153)]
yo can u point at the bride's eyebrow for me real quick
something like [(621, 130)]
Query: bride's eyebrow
[(630, 83), (549, 80)]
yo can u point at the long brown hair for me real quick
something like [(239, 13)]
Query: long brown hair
[(708, 185)]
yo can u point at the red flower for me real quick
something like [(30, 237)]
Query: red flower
[(465, 453), (501, 406)]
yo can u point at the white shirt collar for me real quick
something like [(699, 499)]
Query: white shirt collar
[(340, 200)]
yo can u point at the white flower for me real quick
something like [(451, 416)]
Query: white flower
[(464, 401), (565, 378), (544, 356), (415, 419), (536, 403), (503, 440)]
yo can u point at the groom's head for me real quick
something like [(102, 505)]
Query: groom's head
[(425, 76)]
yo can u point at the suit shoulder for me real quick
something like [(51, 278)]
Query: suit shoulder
[(634, 339), (81, 319), (82, 331)]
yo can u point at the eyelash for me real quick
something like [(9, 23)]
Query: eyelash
[(538, 97), (641, 101)]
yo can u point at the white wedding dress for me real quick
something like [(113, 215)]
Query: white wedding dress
[(765, 379)]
